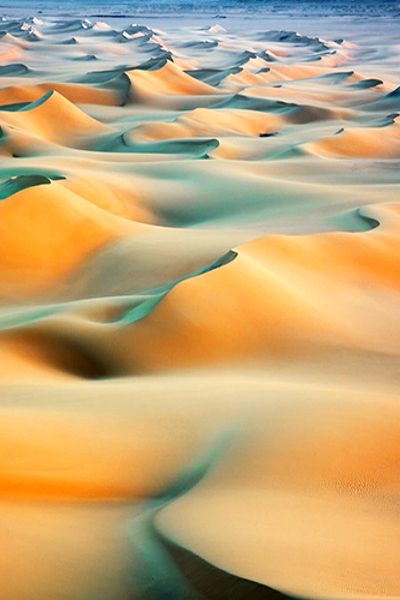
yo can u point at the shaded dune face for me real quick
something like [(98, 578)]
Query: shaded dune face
[(199, 313)]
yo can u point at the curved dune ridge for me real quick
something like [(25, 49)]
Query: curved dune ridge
[(199, 312)]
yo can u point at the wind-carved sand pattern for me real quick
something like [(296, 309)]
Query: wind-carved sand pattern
[(199, 321)]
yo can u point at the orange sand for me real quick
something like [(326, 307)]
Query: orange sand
[(132, 342)]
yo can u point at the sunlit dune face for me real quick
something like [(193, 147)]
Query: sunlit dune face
[(43, 122), (170, 79), (363, 143), (73, 92), (300, 295), (329, 474), (48, 230)]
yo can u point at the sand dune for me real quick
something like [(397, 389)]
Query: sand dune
[(199, 322), (368, 142), (39, 118)]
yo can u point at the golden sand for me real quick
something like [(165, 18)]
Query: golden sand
[(199, 314)]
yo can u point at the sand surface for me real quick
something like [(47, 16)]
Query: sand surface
[(199, 311)]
